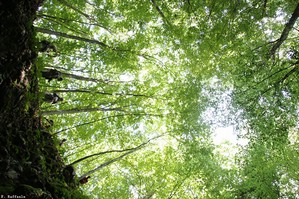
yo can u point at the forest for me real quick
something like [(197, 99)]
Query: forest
[(149, 99)]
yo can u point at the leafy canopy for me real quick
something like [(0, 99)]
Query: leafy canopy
[(135, 70)]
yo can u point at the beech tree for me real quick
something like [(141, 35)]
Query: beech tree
[(135, 70)]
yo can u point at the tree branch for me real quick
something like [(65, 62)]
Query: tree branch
[(80, 110), (104, 118), (73, 21), (75, 9), (97, 92), (132, 150), (61, 34), (286, 76), (101, 153), (160, 12), (285, 33)]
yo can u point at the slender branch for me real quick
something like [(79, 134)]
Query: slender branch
[(75, 9), (97, 92), (264, 7), (101, 153), (177, 186), (61, 34), (79, 77), (118, 158), (104, 118), (285, 33), (62, 24), (89, 17), (72, 20), (287, 75), (79, 110), (160, 11), (266, 78), (87, 123), (91, 41)]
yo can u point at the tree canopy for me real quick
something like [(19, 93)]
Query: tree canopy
[(145, 83)]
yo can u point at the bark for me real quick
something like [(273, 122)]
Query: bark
[(285, 33)]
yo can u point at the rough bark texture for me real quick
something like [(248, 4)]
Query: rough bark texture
[(30, 165)]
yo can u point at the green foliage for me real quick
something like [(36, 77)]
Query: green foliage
[(135, 70)]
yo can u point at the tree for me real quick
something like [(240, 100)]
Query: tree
[(137, 70)]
